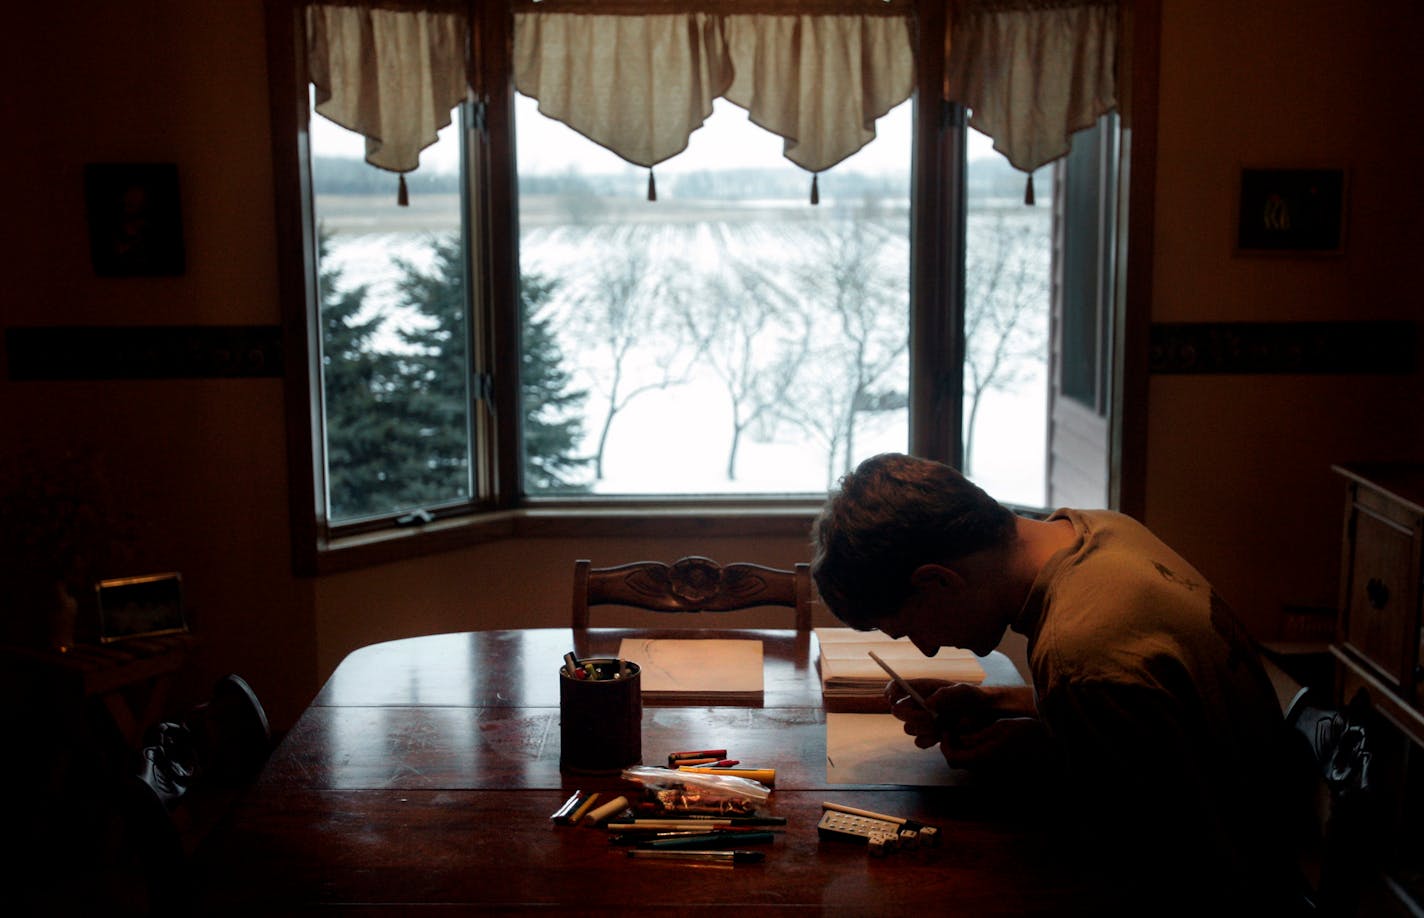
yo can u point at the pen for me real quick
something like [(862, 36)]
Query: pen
[(704, 824), (738, 820), (637, 838), (710, 840), (654, 831), (734, 857)]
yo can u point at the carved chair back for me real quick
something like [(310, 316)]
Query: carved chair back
[(692, 584)]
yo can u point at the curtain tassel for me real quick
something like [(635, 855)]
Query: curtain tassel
[(1028, 191), (652, 186), (403, 193), (815, 189)]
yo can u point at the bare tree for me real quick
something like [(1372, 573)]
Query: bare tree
[(629, 312), (1006, 295), (860, 307), (749, 332)]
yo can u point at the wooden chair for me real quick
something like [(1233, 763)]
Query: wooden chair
[(692, 584)]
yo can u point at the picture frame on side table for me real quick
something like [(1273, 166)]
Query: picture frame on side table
[(135, 221), (146, 606), (1291, 211)]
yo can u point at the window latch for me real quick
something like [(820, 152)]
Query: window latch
[(482, 387), (477, 118), (417, 517)]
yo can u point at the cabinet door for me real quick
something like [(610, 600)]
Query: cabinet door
[(1381, 612)]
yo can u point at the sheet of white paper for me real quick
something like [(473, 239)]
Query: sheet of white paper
[(696, 665), (874, 749), (853, 636)]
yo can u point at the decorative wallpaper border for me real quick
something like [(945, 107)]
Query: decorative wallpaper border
[(90, 352), (1283, 347)]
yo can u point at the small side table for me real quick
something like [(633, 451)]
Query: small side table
[(129, 678)]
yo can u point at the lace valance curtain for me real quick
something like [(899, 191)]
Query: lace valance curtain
[(1032, 72), (641, 84), (390, 73), (639, 76)]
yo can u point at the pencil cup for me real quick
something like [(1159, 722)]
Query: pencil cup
[(600, 717)]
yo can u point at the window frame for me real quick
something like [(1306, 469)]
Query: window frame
[(498, 509)]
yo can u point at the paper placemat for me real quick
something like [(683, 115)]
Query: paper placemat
[(874, 749), (696, 665)]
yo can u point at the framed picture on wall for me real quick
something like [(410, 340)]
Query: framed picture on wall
[(132, 607), (135, 223), (1291, 211)]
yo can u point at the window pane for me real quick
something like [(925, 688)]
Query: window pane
[(728, 337), (1008, 257), (394, 345)]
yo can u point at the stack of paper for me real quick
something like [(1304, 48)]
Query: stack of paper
[(848, 673)]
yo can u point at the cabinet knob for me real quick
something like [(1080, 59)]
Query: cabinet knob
[(1377, 593)]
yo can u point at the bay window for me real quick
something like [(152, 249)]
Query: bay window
[(611, 262)]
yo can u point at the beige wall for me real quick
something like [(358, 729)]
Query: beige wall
[(1237, 466)]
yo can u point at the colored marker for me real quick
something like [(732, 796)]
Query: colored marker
[(674, 757), (766, 776), (584, 808)]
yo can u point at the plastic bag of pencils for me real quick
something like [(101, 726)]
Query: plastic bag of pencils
[(689, 792)]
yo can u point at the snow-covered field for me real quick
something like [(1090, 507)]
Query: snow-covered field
[(676, 439)]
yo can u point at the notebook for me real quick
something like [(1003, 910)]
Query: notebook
[(848, 673)]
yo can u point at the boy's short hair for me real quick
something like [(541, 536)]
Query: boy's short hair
[(891, 515)]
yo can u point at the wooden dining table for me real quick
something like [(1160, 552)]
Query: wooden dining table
[(425, 772)]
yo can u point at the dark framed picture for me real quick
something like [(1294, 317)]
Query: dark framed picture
[(1291, 211), (132, 607), (135, 223)]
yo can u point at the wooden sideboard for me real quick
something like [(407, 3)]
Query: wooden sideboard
[(1378, 649), (1379, 635)]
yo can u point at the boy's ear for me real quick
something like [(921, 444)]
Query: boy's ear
[(936, 575)]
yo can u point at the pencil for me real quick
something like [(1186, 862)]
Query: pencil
[(904, 686)]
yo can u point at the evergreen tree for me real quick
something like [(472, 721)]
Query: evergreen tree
[(434, 460), (553, 421), (436, 376), (358, 383)]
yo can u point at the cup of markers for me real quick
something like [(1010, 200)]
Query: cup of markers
[(600, 715)]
